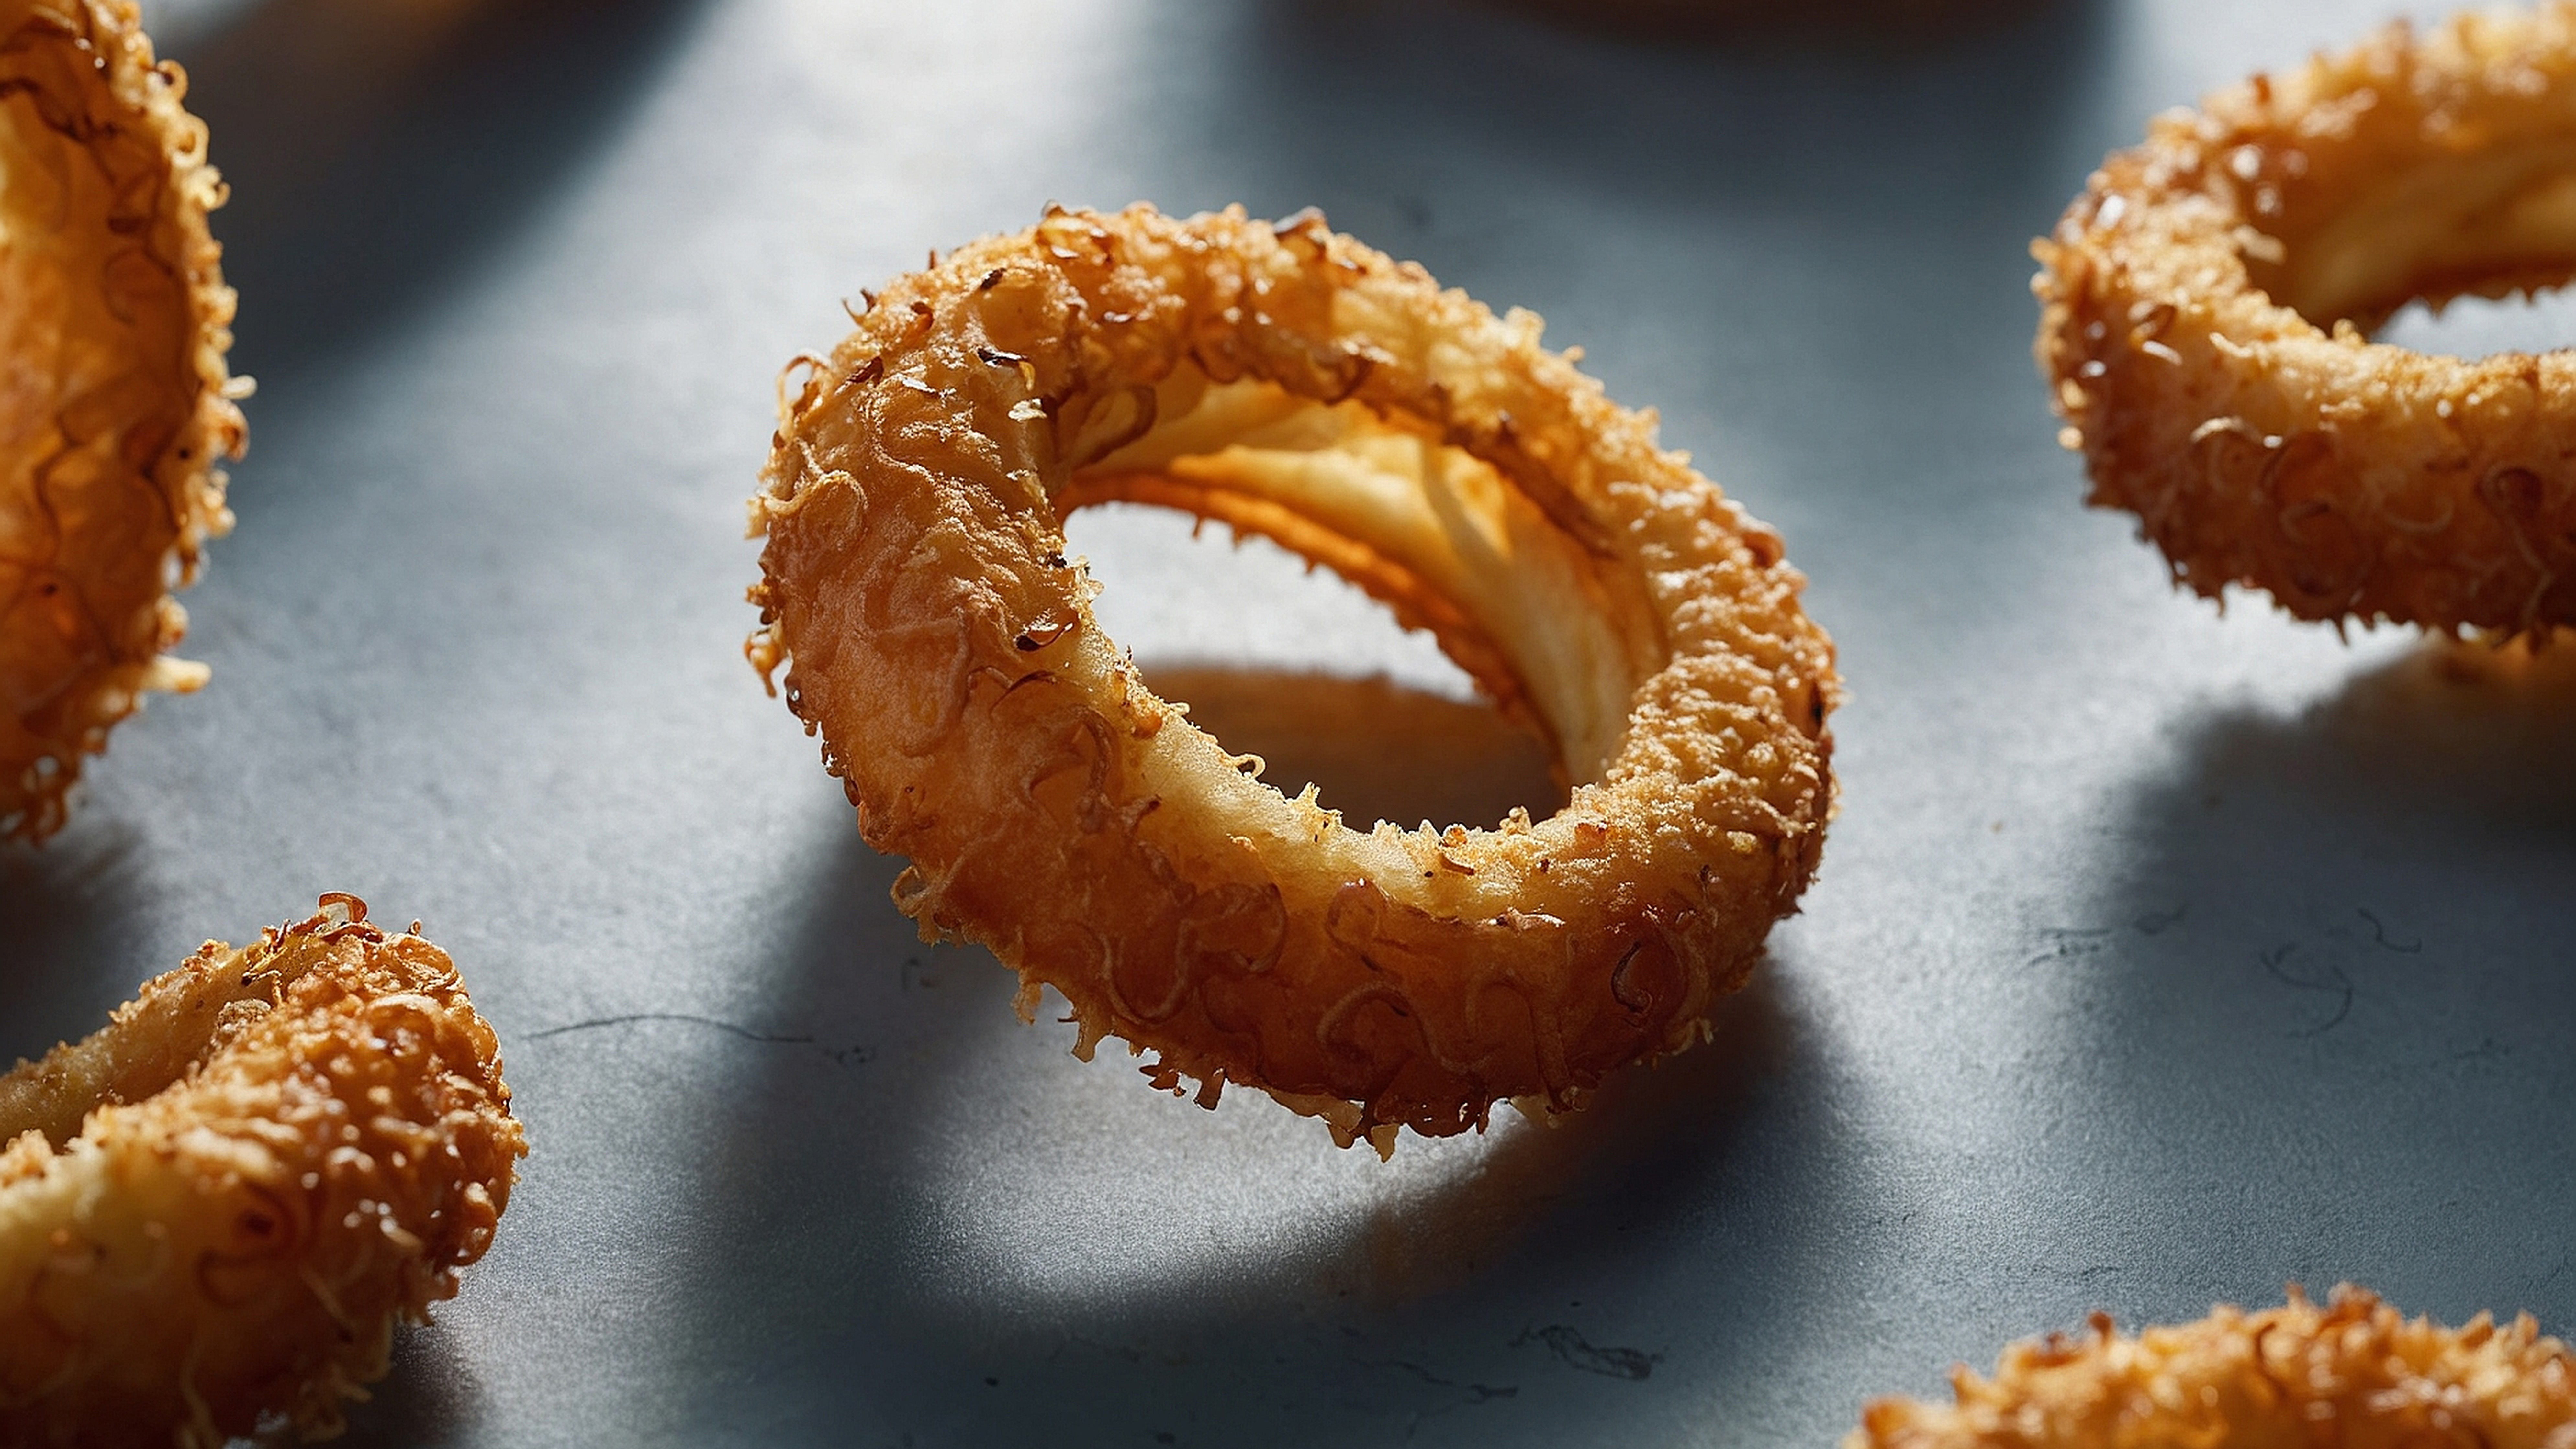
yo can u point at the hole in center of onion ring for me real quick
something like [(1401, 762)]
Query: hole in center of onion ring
[(2478, 327), (1303, 669)]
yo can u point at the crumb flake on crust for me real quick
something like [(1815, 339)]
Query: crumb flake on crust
[(117, 406), (214, 1210), (2353, 1374), (2205, 311), (1289, 381)]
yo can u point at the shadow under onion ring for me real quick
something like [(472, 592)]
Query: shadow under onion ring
[(1290, 382), (2205, 306), (214, 1210), (116, 404), (2355, 1372)]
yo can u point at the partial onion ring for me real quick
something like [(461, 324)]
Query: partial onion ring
[(2204, 310), (1292, 383), (116, 404), (213, 1211), (2355, 1372)]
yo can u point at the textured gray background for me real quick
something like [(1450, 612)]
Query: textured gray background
[(2160, 957)]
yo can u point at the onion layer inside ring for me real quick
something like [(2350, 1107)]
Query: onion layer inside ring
[(114, 401), (2205, 305), (213, 1211), (1293, 383)]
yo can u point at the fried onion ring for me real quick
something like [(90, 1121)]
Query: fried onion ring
[(2205, 305), (1295, 384), (115, 404), (214, 1210), (2355, 1372)]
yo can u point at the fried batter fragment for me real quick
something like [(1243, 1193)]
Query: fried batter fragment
[(213, 1211), (114, 402), (2205, 305), (1292, 383), (2352, 1375)]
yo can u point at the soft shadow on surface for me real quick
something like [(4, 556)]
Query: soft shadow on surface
[(2485, 733), (1865, 24), (1853, 142), (1374, 749), (2461, 738), (1647, 1141), (377, 152), (915, 1188), (70, 942), (2337, 944), (431, 1397)]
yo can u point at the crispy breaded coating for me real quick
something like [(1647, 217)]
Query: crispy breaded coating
[(1293, 383), (2205, 305), (2355, 1374), (214, 1210), (115, 405)]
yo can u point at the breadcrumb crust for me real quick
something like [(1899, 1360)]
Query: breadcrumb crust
[(214, 1210), (117, 405), (932, 629), (2204, 311), (2355, 1374)]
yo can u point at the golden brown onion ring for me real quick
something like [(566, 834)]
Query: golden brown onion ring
[(114, 403), (2352, 1373), (214, 1209), (2204, 310), (1293, 383)]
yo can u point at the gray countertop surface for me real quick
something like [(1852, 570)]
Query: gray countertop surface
[(2160, 956)]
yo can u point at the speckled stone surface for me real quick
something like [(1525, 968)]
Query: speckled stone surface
[(2159, 957)]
